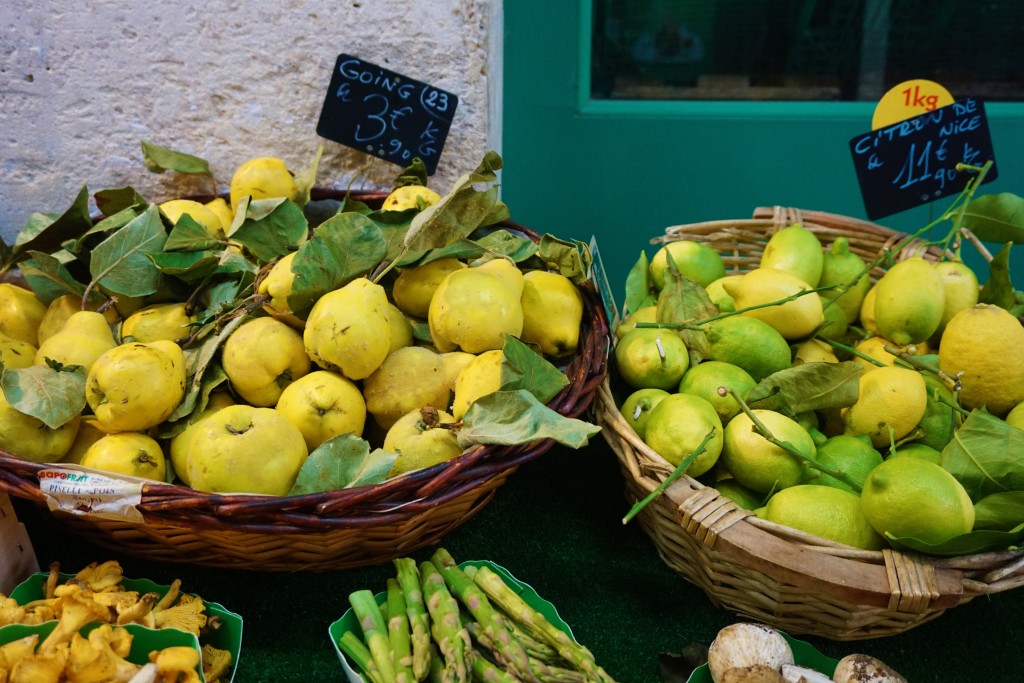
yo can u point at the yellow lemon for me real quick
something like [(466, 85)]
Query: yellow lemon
[(867, 311), (915, 498), (21, 313), (711, 379), (638, 406), (1015, 418), (982, 346), (169, 321), (262, 178), (960, 289), (472, 310), (759, 464), (752, 344), (652, 358), (552, 313), (647, 314), (814, 351), (909, 302), (415, 286), (824, 511), (719, 297), (410, 197), (694, 260), (131, 453), (797, 250), (200, 213), (323, 404), (890, 403), (853, 456), (794, 319), (678, 424), (261, 358)]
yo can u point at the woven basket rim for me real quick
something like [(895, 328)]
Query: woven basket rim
[(392, 502)]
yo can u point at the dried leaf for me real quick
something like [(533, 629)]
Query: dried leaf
[(508, 418)]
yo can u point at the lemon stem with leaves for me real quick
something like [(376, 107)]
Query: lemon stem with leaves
[(676, 473), (761, 429)]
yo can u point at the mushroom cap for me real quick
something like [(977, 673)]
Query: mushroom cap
[(861, 668), (755, 673), (744, 644)]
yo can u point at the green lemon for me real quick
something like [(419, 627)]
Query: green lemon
[(707, 378), (960, 287), (918, 450), (909, 302), (638, 406), (854, 456), (844, 270), (759, 464), (915, 498), (678, 425), (647, 314), (719, 297), (752, 344), (739, 494), (824, 511), (652, 357), (694, 260), (796, 250), (835, 324)]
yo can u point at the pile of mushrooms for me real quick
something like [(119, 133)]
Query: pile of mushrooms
[(755, 653)]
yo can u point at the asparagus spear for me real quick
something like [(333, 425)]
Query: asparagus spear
[(398, 633), (435, 670), (508, 652), (450, 635), (375, 632), (419, 620), (534, 623), (485, 671), (357, 651)]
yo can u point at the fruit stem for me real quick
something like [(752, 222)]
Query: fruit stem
[(676, 473), (852, 351), (760, 428), (700, 323)]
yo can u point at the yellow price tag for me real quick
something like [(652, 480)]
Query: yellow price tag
[(907, 100)]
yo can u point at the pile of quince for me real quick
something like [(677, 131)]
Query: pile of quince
[(272, 344)]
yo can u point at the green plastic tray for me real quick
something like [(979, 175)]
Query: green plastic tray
[(803, 653)]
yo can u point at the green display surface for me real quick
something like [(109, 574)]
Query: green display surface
[(556, 524)]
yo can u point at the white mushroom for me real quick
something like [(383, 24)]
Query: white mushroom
[(860, 668), (802, 674), (745, 644), (755, 673)]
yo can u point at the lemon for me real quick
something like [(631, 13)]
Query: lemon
[(752, 344), (694, 260), (410, 197), (739, 494), (914, 498), (909, 302), (647, 314), (678, 425), (867, 311), (759, 464), (472, 310), (707, 378), (960, 288), (480, 376), (814, 351), (261, 358), (552, 313), (854, 456), (131, 453), (168, 321), (824, 511), (652, 358), (844, 269), (835, 324), (200, 213), (918, 450), (415, 285), (793, 319), (795, 250), (638, 406), (262, 178), (21, 313), (890, 403), (939, 421), (1015, 418), (874, 349), (719, 297), (982, 346)]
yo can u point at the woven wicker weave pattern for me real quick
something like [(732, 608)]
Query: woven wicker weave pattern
[(792, 580)]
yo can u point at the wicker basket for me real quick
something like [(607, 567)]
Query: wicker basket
[(331, 530), (798, 582)]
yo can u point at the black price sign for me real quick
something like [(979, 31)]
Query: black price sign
[(386, 114), (913, 162)]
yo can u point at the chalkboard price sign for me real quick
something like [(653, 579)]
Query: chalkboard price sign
[(913, 162), (386, 114)]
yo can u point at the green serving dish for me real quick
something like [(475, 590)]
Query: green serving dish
[(803, 653)]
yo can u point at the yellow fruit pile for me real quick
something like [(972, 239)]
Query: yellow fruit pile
[(232, 389), (814, 396)]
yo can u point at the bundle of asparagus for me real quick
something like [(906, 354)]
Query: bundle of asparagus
[(445, 624)]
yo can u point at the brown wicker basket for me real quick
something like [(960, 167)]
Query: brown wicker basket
[(334, 529), (798, 582)]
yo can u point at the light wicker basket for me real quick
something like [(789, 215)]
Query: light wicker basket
[(797, 582), (331, 530)]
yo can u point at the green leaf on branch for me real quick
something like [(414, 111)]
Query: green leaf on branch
[(998, 289), (986, 455), (808, 386), (996, 218), (121, 262), (114, 201), (271, 228), (159, 159), (199, 361), (189, 235), (342, 248), (53, 394), (413, 174), (639, 288), (191, 266), (459, 212), (342, 462), (46, 233), (1000, 512), (508, 418), (305, 180), (49, 278), (524, 368)]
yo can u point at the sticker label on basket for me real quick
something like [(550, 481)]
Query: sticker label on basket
[(915, 161), (386, 114), (88, 493)]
